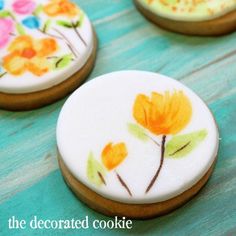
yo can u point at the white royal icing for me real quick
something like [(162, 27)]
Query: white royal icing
[(189, 10), (62, 39), (102, 112)]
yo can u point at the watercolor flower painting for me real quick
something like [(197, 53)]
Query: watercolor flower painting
[(61, 8), (49, 18), (159, 118), (24, 7), (164, 116), (28, 54), (112, 156), (163, 113), (6, 28)]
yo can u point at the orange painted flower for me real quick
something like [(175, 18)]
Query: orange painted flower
[(113, 155), (163, 113), (27, 54), (61, 7)]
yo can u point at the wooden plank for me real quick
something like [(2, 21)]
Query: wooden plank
[(128, 41)]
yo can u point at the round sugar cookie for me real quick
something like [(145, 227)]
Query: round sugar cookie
[(47, 49), (136, 144), (204, 17)]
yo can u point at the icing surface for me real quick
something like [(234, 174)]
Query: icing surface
[(136, 137), (190, 10), (42, 43)]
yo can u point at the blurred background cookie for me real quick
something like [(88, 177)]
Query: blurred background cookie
[(201, 17), (47, 49)]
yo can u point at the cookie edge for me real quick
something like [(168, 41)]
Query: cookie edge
[(135, 211), (35, 100), (216, 27)]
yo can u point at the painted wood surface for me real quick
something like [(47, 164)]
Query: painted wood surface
[(30, 182)]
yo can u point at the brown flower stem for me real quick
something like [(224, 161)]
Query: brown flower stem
[(61, 38), (71, 49), (50, 35), (13, 17), (12, 34), (123, 183), (102, 178), (78, 34), (3, 74), (44, 28), (69, 44), (160, 166), (153, 140)]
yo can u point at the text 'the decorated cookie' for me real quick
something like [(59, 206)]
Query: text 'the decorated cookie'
[(136, 144), (47, 48), (201, 17)]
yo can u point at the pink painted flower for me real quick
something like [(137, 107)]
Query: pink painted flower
[(24, 6), (6, 27)]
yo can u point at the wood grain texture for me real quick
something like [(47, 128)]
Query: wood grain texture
[(30, 182)]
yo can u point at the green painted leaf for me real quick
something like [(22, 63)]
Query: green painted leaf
[(77, 24), (47, 25), (181, 145), (64, 23), (172, 1), (38, 10), (62, 62), (137, 131), (20, 29), (4, 14), (81, 19), (95, 171)]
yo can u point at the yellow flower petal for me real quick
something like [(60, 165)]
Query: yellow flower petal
[(21, 43), (113, 155), (141, 109), (45, 47), (38, 66), (163, 113), (29, 54), (14, 64), (61, 7)]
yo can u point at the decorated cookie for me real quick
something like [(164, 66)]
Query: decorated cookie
[(195, 17), (47, 48), (136, 144)]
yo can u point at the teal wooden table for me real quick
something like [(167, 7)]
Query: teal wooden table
[(30, 181)]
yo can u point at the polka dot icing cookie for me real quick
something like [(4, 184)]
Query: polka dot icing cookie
[(142, 145), (47, 48), (201, 17)]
